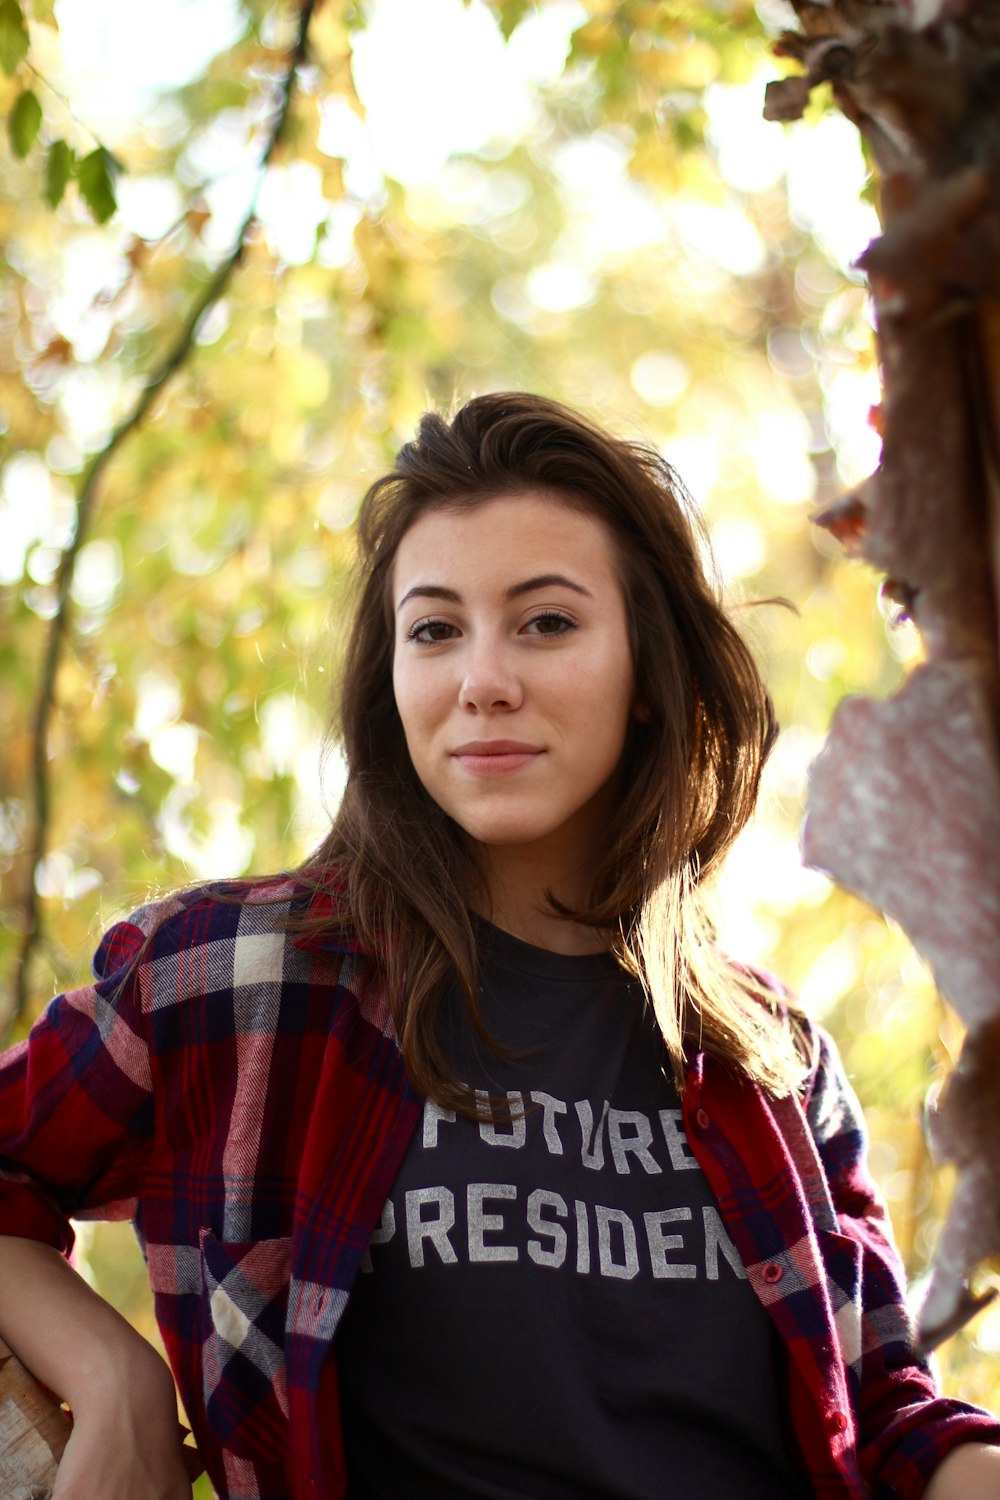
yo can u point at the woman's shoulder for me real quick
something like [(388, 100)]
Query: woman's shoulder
[(824, 1092), (813, 1044), (237, 919)]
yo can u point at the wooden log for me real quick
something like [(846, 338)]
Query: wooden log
[(34, 1430)]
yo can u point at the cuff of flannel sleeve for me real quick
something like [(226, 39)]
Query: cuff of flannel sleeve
[(25, 1211), (909, 1468)]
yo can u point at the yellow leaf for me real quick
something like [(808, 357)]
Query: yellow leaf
[(305, 377)]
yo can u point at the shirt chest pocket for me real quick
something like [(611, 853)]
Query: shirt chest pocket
[(244, 1296)]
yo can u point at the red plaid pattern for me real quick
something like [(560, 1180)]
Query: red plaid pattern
[(240, 1094)]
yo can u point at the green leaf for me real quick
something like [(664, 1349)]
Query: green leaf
[(13, 36), (24, 123), (58, 170), (96, 175), (510, 14)]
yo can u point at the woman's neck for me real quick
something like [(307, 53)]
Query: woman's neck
[(517, 880)]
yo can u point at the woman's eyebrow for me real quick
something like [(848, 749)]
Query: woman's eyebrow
[(429, 591), (546, 581), (528, 586)]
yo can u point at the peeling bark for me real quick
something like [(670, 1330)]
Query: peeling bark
[(905, 809), (904, 805)]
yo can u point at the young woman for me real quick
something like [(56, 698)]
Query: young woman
[(463, 1162)]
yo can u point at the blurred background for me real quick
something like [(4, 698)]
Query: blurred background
[(577, 197)]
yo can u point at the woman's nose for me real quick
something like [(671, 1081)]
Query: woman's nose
[(490, 684)]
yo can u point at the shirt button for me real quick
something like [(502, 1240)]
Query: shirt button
[(838, 1421), (702, 1119), (773, 1273)]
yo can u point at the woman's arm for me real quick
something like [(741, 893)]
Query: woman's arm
[(969, 1472), (909, 1435), (126, 1441)]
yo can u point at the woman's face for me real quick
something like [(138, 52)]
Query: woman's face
[(513, 671)]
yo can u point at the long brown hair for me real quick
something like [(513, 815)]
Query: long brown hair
[(691, 773)]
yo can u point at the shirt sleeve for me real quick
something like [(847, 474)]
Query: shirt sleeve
[(76, 1104), (906, 1427)]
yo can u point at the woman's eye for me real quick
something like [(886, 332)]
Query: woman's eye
[(550, 624), (429, 632)]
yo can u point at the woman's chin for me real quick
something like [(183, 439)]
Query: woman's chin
[(506, 833)]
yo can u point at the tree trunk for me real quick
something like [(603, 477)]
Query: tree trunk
[(34, 1430), (904, 805)]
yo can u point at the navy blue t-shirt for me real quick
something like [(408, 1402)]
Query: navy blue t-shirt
[(551, 1308)]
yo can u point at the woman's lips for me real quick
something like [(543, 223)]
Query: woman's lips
[(495, 757)]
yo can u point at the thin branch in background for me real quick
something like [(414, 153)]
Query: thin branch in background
[(50, 88), (30, 914)]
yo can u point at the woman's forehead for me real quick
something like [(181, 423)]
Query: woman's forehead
[(505, 532)]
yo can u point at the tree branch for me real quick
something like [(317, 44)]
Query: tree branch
[(85, 506)]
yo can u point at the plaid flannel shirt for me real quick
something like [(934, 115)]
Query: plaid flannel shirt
[(240, 1094)]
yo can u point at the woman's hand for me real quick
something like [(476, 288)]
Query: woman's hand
[(126, 1442)]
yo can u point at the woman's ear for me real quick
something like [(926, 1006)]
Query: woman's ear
[(641, 711)]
